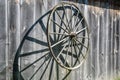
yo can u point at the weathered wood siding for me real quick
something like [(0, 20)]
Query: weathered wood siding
[(103, 62)]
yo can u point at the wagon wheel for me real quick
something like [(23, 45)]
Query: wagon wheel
[(44, 64), (72, 44)]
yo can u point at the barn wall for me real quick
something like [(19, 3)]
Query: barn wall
[(103, 62)]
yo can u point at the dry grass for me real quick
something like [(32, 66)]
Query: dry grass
[(117, 78)]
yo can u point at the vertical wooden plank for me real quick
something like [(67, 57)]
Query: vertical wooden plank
[(13, 31), (27, 19), (119, 45), (7, 49), (101, 52), (3, 66), (116, 45)]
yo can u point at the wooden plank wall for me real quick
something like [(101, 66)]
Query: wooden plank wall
[(103, 62)]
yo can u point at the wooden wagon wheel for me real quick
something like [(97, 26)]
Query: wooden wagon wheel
[(67, 23)]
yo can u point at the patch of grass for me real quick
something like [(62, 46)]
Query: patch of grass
[(117, 78)]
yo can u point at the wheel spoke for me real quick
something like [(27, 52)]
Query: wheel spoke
[(63, 60), (61, 50), (80, 50), (64, 43), (34, 62), (67, 53), (76, 19), (70, 21), (83, 37), (72, 54), (67, 75), (37, 69), (54, 26), (33, 52), (81, 30), (65, 12), (76, 52), (52, 66), (36, 41), (62, 35), (77, 24), (59, 26), (80, 43), (63, 20), (57, 33), (45, 69), (58, 42)]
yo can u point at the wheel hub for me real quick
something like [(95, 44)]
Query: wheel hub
[(72, 34)]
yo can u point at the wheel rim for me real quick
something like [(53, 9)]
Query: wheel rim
[(67, 25)]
